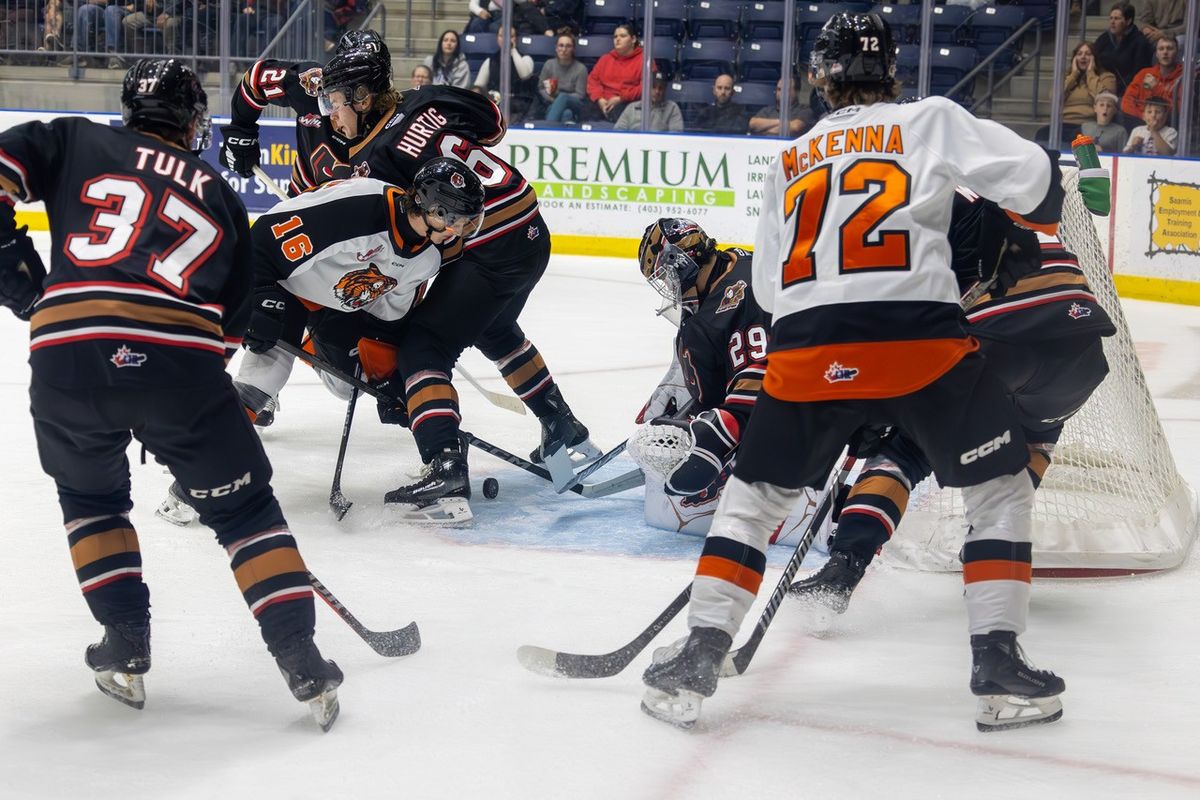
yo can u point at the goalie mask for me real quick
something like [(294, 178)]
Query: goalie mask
[(671, 254)]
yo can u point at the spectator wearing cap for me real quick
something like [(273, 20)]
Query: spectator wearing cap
[(1109, 135), (1123, 49), (562, 84), (765, 121), (664, 114), (616, 80), (722, 115)]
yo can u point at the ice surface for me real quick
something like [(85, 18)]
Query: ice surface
[(877, 707)]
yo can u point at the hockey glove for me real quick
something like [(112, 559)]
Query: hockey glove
[(1094, 183), (394, 410), (21, 273), (266, 319), (239, 149), (715, 436)]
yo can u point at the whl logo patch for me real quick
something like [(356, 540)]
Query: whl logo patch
[(837, 373), (1077, 311), (124, 357)]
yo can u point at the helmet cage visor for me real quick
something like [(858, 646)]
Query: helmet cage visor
[(673, 273), (456, 222)]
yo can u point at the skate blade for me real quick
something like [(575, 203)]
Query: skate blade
[(681, 710), (325, 709), (584, 453), (130, 690), (562, 471), (175, 512), (1002, 712), (446, 511)]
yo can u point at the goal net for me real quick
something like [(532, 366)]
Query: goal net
[(1112, 501)]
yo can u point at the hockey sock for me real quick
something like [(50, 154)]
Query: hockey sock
[(108, 566), (873, 509), (997, 554), (526, 373), (433, 412), (274, 583)]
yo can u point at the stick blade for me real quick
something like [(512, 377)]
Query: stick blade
[(394, 644), (539, 660), (340, 505), (553, 664)]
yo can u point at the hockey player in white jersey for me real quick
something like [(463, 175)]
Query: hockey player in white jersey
[(852, 261)]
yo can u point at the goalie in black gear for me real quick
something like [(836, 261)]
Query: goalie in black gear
[(716, 373), (130, 333)]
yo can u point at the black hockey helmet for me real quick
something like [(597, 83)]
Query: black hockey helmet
[(671, 254), (359, 72), (446, 190), (854, 48), (163, 95), (354, 40)]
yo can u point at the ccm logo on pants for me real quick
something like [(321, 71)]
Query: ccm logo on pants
[(228, 488), (985, 449)]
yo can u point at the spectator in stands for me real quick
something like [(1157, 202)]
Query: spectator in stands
[(521, 72), (765, 121), (1161, 18), (526, 17), (1155, 138), (722, 115), (664, 114), (338, 16), (52, 31), (1085, 80), (1123, 49), (255, 24), (95, 15), (1109, 135), (165, 16), (1157, 81), (563, 15), (18, 25), (421, 76), (448, 65), (616, 80), (562, 85)]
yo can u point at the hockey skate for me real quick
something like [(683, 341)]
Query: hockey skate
[(260, 407), (175, 508), (1012, 694), (681, 676), (120, 660), (440, 495), (311, 678), (829, 589), (562, 430)]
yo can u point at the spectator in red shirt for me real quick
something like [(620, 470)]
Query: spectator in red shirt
[(1156, 81), (616, 80)]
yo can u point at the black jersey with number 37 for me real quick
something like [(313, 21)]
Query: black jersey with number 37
[(150, 267)]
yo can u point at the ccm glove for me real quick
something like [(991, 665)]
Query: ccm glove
[(266, 320), (21, 273), (239, 149), (1094, 183)]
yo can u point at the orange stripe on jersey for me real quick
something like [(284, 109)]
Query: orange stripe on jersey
[(723, 569), (861, 370), (1048, 228), (997, 570)]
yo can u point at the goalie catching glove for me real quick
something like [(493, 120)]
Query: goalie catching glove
[(21, 273), (687, 455)]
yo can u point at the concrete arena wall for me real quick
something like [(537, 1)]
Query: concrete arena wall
[(599, 190)]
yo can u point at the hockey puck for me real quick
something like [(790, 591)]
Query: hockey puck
[(491, 488)]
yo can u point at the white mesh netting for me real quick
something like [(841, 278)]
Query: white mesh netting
[(1112, 499)]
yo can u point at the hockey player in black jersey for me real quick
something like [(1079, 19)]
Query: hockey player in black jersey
[(146, 298), (389, 135)]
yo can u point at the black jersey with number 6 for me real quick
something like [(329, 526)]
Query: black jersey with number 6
[(723, 345), (150, 268)]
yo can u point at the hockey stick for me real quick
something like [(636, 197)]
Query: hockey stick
[(392, 644), (555, 664), (274, 187), (506, 401), (737, 661), (338, 502), (620, 483)]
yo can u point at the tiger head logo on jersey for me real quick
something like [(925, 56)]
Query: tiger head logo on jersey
[(733, 297), (362, 287)]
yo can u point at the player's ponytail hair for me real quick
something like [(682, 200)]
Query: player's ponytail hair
[(861, 94)]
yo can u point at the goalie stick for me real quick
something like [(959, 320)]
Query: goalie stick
[(620, 483), (555, 664), (392, 644)]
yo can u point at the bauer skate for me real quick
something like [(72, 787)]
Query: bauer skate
[(175, 508), (1012, 694), (311, 678), (120, 660), (677, 684), (440, 495)]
